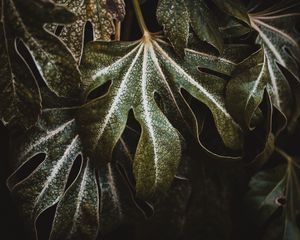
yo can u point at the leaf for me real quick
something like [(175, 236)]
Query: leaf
[(204, 24), (100, 13), (265, 188), (174, 17), (82, 208), (116, 200), (233, 8), (24, 20), (281, 47), (77, 214), (268, 138), (139, 70), (231, 27), (19, 93), (245, 90), (274, 188)]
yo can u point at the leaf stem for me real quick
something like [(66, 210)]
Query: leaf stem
[(139, 16), (117, 30)]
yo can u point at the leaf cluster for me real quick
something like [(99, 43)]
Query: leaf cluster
[(118, 131)]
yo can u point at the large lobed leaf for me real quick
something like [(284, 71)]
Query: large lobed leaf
[(280, 40), (140, 70), (100, 13), (97, 201), (22, 21)]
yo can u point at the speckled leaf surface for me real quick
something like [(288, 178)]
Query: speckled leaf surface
[(20, 98), (100, 13), (139, 70), (96, 193), (280, 39), (55, 136), (176, 16), (277, 188), (77, 214), (24, 20)]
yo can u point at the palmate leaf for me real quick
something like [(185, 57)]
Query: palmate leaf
[(100, 13), (275, 188), (98, 199), (280, 40), (140, 70), (20, 98), (24, 20), (175, 17)]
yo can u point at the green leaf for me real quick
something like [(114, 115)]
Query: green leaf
[(117, 204), (204, 24), (245, 90), (24, 20), (174, 17), (234, 8), (274, 188), (138, 71), (77, 214), (100, 13), (19, 93), (54, 135), (265, 188), (231, 27), (279, 37), (266, 137), (83, 207)]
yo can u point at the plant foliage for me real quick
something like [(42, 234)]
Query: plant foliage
[(155, 134)]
